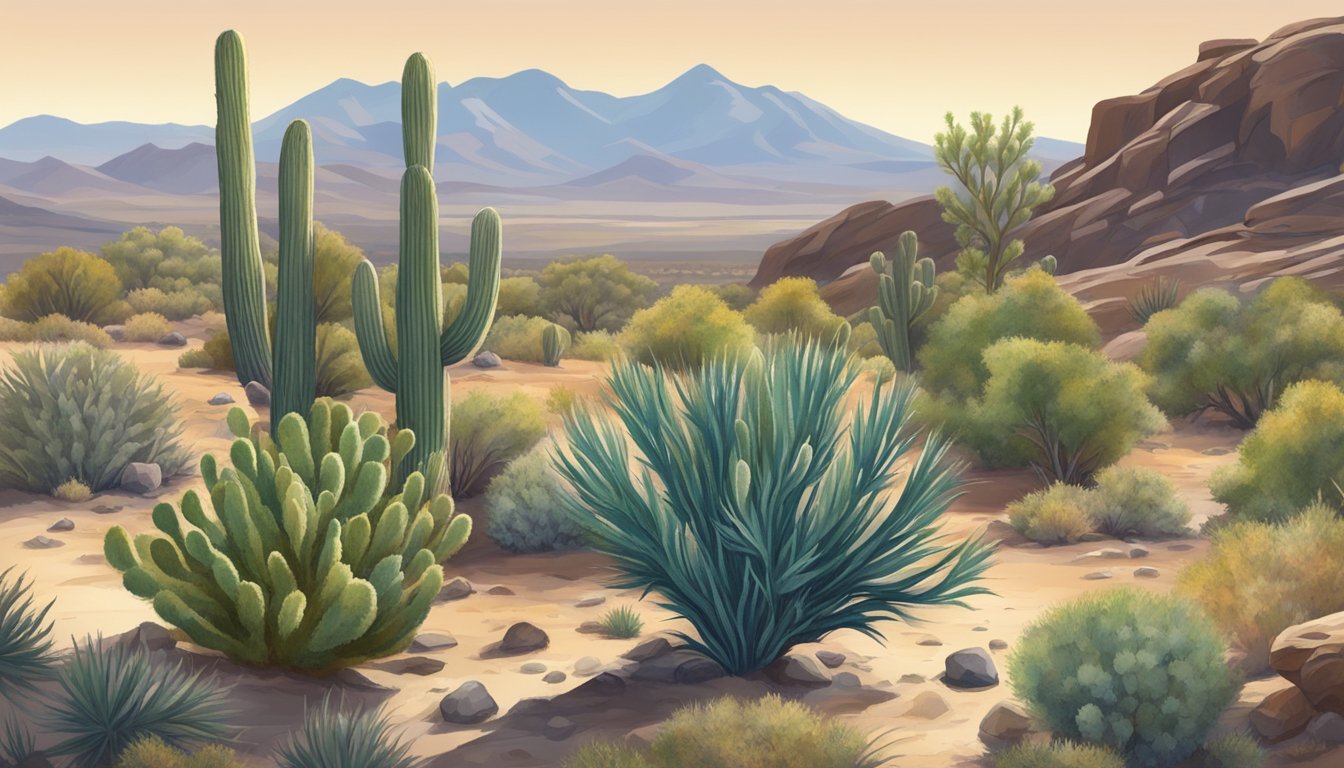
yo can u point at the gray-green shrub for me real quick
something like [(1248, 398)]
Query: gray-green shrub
[(57, 328), (487, 432), (525, 508), (516, 337), (1059, 514), (1130, 501)]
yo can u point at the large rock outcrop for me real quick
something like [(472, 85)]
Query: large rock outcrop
[(1228, 168)]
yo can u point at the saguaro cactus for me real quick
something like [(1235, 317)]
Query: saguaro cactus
[(290, 371), (415, 371), (905, 290), (554, 342)]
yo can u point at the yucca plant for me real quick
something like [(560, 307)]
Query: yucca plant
[(1154, 297), (113, 695), (16, 742), (308, 562), (622, 622), (761, 506), (337, 737), (25, 637)]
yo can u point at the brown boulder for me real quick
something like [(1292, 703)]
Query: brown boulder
[(1217, 49), (1282, 715)]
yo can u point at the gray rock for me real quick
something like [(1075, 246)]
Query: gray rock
[(42, 542), (680, 666), (1216, 451), (605, 684), (1098, 576), (929, 641), (558, 728), (831, 659), (223, 398), (456, 589), (412, 665), (1147, 572), (590, 601), (139, 477), (173, 339), (532, 668), (486, 359), (499, 590), (1006, 724), (62, 525), (798, 669), (469, 703), (1136, 552), (554, 676), (523, 637), (926, 706), (428, 642), (846, 680), (970, 668), (115, 332), (1327, 727), (150, 636), (979, 629), (257, 393), (648, 649), (699, 670), (587, 666), (997, 645)]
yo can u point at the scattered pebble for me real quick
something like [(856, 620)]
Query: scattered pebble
[(1217, 451), (532, 668), (831, 659), (42, 542), (1109, 553), (590, 601), (223, 398), (979, 629), (554, 676), (1180, 547), (456, 589), (928, 640), (1098, 575), (1136, 552), (427, 642), (998, 645), (846, 680), (1147, 572), (62, 525)]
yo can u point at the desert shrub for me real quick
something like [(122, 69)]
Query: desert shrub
[(1139, 672), (881, 369), (334, 262), (518, 296), (593, 294), (15, 330), (337, 737), (26, 649), (147, 326), (67, 282), (623, 622), (220, 350), (1059, 754), (1060, 514), (486, 433), (144, 258), (152, 752), (82, 413), (61, 328), (686, 329), (1159, 295), (793, 304), (729, 733), (341, 573), (1214, 351), (1234, 750), (1293, 457), (1259, 579), (736, 295), (195, 358), (113, 695), (560, 400), (72, 490), (764, 469), (175, 305), (1066, 410), (1137, 502), (340, 368), (526, 514), (597, 346), (863, 341), (516, 337)]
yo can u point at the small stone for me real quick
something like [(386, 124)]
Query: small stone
[(1327, 727), (150, 636), (428, 642), (173, 339), (412, 665), (997, 644), (1004, 725), (970, 668), (798, 669), (558, 728), (911, 679), (456, 589), (104, 509), (1098, 576), (846, 680), (42, 542), (831, 659), (115, 332), (223, 398), (928, 641), (926, 706), (532, 668), (524, 637), (979, 629), (1109, 553), (605, 684), (1147, 572), (590, 601), (587, 666), (1282, 715), (648, 649), (91, 558), (554, 676), (469, 703), (257, 393), (1136, 552), (499, 590), (486, 359), (139, 477), (1216, 451), (62, 525), (1180, 547), (592, 628)]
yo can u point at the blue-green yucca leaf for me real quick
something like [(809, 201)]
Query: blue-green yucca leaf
[(25, 637), (334, 736), (835, 528)]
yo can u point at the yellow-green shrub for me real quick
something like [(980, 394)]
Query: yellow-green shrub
[(686, 328), (596, 346), (152, 752), (487, 432), (62, 328), (72, 490), (793, 305), (147, 326), (1060, 754), (67, 282), (516, 337), (173, 305), (1060, 514), (15, 330)]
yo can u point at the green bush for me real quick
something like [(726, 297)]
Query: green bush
[(26, 649), (593, 294), (1139, 672), (152, 752), (728, 733), (1137, 502), (1234, 750), (334, 262), (143, 258), (744, 464), (175, 305), (518, 296), (880, 368), (114, 695), (54, 328), (220, 350), (147, 326), (623, 623), (793, 305), (560, 400), (67, 282), (1259, 579), (340, 367), (1064, 409), (1060, 514), (335, 737), (1213, 351), (526, 514), (597, 346), (1292, 458), (863, 341), (516, 337), (1058, 755), (686, 329), (486, 433), (195, 358), (307, 562), (15, 330), (75, 412), (736, 295)]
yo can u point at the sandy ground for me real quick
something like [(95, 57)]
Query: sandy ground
[(543, 589)]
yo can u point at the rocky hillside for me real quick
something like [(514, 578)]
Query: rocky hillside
[(1227, 172)]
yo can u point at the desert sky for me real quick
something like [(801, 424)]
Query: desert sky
[(895, 64)]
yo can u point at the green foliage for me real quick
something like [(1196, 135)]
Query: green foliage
[(1137, 502), (793, 305), (905, 292), (1294, 456), (26, 654), (16, 742), (114, 695), (152, 752), (173, 305), (1159, 295), (1059, 754), (554, 343), (62, 328), (72, 490), (686, 329), (998, 187), (1259, 579), (1234, 750), (145, 259), (488, 431), (1136, 671), (1059, 514), (736, 295), (220, 350), (340, 369), (16, 330), (337, 737), (334, 262), (67, 282), (307, 562), (597, 346), (560, 400), (524, 507), (196, 358), (1214, 351), (74, 412), (593, 294), (147, 326), (517, 337), (1064, 409), (519, 296), (747, 463), (623, 622), (880, 368)]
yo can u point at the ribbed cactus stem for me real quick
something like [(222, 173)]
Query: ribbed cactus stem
[(419, 112), (420, 377), (244, 284), (554, 342), (905, 290), (1049, 264), (296, 339), (467, 331)]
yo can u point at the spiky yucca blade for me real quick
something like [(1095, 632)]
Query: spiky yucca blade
[(25, 637), (337, 737)]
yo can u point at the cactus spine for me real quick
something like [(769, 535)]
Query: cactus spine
[(905, 290), (415, 371), (291, 373), (554, 342)]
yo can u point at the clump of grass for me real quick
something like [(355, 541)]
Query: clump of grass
[(334, 737), (152, 752), (16, 742), (622, 622), (1235, 750), (1158, 295), (25, 637), (72, 490), (1060, 754)]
